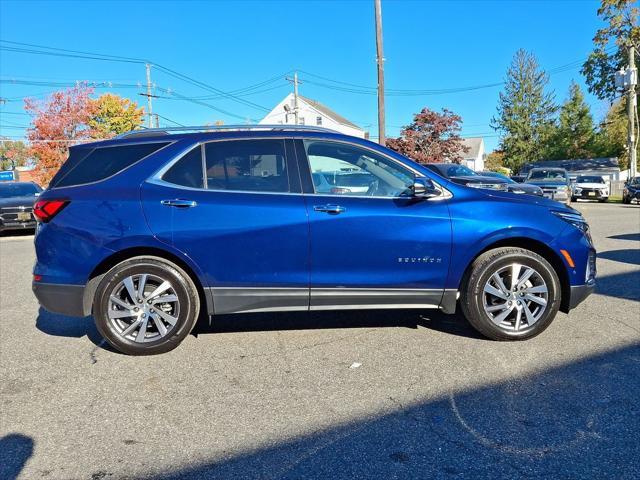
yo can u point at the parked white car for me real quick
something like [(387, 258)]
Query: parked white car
[(589, 187)]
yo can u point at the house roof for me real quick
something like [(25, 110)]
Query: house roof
[(328, 112), (474, 145), (577, 164)]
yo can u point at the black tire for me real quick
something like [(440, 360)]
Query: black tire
[(626, 200), (185, 291), (574, 199), (602, 200), (472, 291)]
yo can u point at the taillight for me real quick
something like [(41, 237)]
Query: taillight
[(45, 210)]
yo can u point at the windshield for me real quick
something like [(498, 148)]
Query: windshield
[(8, 190), (458, 171), (553, 175), (634, 181), (589, 179)]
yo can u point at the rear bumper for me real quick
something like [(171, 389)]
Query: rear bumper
[(63, 299), (579, 293)]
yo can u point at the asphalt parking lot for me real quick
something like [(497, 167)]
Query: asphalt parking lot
[(334, 395)]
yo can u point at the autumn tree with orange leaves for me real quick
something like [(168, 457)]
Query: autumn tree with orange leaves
[(58, 122), (69, 117)]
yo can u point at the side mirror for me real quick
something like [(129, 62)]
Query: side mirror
[(423, 187)]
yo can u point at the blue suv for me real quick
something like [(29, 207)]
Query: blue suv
[(150, 229)]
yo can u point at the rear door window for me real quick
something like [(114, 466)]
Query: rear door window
[(101, 163)]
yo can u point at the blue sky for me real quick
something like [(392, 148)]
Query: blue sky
[(429, 45)]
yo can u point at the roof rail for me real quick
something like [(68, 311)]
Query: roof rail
[(152, 132)]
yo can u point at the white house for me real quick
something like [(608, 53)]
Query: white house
[(311, 112), (474, 158)]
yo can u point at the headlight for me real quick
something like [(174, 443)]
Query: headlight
[(576, 220)]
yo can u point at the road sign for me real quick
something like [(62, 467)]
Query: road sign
[(7, 176)]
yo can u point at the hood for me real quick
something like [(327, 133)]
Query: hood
[(529, 199), (477, 179), (590, 185), (23, 201), (525, 187)]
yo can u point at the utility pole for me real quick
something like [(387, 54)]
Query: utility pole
[(295, 82), (380, 61), (150, 113), (632, 113)]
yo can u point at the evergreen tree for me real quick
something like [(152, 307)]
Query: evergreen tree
[(574, 136), (525, 112)]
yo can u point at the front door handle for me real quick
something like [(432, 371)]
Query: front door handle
[(334, 209), (179, 203)]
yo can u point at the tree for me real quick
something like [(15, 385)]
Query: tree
[(112, 115), (494, 161), (13, 154), (431, 137), (525, 111), (611, 46), (58, 122), (611, 139), (574, 136)]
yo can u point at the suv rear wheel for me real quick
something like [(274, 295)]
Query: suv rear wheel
[(146, 305), (511, 294)]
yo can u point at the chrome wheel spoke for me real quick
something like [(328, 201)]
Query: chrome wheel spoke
[(538, 300), (120, 303), (500, 318), (498, 307), (162, 330), (529, 316), (161, 288), (164, 299), (516, 327), (491, 290), (131, 290), (536, 289), (515, 274), (143, 330), (167, 318), (142, 281), (525, 276), (131, 327), (500, 283), (121, 314)]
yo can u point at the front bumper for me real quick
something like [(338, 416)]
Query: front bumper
[(579, 293), (15, 225), (62, 299), (591, 194)]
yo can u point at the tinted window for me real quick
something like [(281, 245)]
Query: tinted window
[(247, 165), (350, 170), (547, 175), (187, 171), (459, 171), (18, 189), (102, 163)]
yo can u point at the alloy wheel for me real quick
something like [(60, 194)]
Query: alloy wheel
[(143, 308), (515, 297)]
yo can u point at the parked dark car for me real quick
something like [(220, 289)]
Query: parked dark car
[(631, 190), (554, 182), (16, 205), (518, 178), (463, 175), (148, 229), (515, 187)]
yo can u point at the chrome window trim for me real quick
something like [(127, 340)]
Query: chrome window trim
[(156, 178)]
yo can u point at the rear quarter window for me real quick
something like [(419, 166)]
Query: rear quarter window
[(88, 166)]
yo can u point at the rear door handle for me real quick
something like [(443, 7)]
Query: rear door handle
[(179, 203), (335, 209)]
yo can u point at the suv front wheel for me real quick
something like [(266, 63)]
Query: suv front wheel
[(510, 294), (146, 305)]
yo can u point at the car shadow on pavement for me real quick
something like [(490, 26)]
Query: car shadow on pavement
[(63, 326), (621, 285), (258, 322), (576, 420), (627, 236), (15, 451), (627, 255)]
